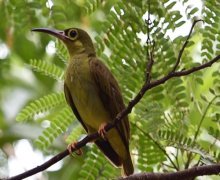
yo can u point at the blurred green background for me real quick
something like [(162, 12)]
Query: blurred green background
[(168, 115), (19, 84)]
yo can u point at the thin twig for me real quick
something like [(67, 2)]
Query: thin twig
[(158, 145), (197, 164), (150, 64), (118, 118), (91, 137), (184, 45), (203, 117), (198, 129), (179, 74), (150, 52), (148, 22), (167, 165), (176, 158)]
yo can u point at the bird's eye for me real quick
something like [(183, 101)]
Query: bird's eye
[(72, 34)]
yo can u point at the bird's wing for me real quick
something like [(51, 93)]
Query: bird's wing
[(110, 95), (72, 105), (102, 144)]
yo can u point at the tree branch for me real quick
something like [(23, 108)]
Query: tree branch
[(159, 146), (180, 175), (184, 45), (147, 86), (150, 63), (119, 117), (198, 130)]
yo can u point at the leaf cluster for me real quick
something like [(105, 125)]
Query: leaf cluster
[(168, 126)]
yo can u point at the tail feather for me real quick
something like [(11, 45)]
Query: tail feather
[(128, 167), (107, 149)]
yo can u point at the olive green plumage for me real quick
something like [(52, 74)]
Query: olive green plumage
[(94, 95)]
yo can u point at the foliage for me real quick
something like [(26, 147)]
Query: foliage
[(48, 69), (176, 125), (42, 105), (97, 167)]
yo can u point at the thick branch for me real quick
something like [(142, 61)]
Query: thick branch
[(180, 175), (118, 118), (147, 86)]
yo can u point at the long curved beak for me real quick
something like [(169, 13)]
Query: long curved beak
[(57, 33)]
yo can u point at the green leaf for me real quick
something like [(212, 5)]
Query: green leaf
[(41, 105)]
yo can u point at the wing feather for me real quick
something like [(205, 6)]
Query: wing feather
[(72, 105), (102, 144), (110, 95)]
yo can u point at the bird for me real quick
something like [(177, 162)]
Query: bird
[(94, 96)]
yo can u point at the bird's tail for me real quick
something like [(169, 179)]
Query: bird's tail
[(128, 167)]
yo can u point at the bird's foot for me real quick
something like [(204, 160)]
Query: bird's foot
[(102, 132), (71, 146)]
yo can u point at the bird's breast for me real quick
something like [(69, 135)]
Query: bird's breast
[(85, 94)]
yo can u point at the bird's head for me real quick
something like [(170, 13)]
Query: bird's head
[(76, 40)]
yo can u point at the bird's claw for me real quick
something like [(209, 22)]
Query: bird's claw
[(71, 146), (102, 132)]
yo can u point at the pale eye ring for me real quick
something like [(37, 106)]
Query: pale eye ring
[(72, 34)]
